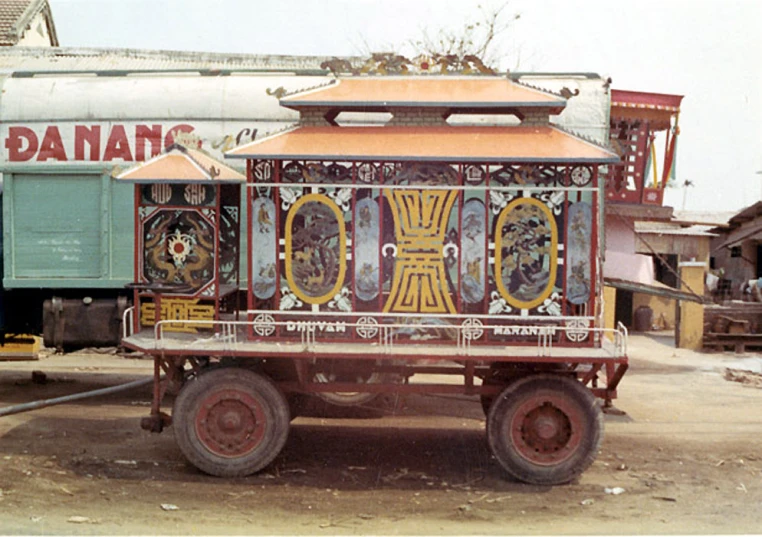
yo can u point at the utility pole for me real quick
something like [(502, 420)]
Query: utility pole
[(686, 184)]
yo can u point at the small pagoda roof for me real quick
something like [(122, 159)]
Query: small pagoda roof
[(434, 144), (459, 94), (657, 108), (180, 164)]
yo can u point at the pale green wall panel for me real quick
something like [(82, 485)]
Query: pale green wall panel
[(122, 230), (56, 226)]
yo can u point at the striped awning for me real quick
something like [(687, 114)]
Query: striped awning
[(657, 108)]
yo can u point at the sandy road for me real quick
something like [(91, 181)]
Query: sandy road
[(687, 454)]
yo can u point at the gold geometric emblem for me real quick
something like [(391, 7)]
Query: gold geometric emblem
[(420, 227), (178, 309)]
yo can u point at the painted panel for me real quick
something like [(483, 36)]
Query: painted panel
[(194, 195), (229, 242), (316, 244), (56, 226), (264, 251), (579, 234), (473, 255), (178, 247), (419, 284), (526, 253), (367, 241)]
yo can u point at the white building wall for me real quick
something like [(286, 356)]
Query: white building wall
[(36, 35)]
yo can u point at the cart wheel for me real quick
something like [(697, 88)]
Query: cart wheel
[(345, 371), (230, 422), (545, 429)]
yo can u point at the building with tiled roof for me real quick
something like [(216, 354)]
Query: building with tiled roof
[(27, 23)]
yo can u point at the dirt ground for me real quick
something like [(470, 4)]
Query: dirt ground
[(686, 454)]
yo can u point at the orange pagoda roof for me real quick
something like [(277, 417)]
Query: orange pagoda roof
[(444, 144), (180, 164), (466, 93)]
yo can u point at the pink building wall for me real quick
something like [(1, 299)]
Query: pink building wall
[(621, 260)]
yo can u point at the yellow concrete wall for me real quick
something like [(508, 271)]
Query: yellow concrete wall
[(691, 313), (609, 308), (663, 308)]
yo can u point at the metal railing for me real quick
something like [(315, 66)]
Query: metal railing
[(229, 335), (128, 319)]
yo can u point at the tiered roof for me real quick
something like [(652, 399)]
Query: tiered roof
[(541, 143), (458, 94)]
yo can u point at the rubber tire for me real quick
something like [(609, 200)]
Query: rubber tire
[(508, 403), (270, 400)]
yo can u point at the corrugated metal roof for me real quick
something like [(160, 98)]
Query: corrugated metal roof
[(708, 218), (656, 289), (476, 92), (442, 144), (181, 164), (27, 61), (674, 228)]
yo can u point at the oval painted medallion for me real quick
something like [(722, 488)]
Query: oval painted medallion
[(526, 253), (316, 245)]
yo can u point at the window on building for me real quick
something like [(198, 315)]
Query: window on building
[(665, 269)]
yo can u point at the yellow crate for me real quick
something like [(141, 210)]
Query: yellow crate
[(20, 347)]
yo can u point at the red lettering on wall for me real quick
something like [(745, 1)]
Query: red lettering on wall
[(51, 146), (117, 146), (21, 144), (143, 134), (91, 135), (169, 139)]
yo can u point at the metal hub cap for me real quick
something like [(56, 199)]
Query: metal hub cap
[(546, 429), (230, 423)]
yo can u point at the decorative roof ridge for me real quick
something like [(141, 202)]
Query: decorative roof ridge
[(281, 93), (584, 138), (390, 63), (565, 92), (207, 166), (271, 134), (190, 152), (268, 135)]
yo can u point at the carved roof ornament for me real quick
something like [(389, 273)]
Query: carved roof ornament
[(278, 92), (191, 140), (339, 66), (389, 63)]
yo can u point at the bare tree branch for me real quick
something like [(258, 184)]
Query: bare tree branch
[(479, 37)]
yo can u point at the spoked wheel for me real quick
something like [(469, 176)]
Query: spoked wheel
[(545, 429), (230, 422), (352, 372)]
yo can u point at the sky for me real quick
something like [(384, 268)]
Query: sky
[(708, 50)]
